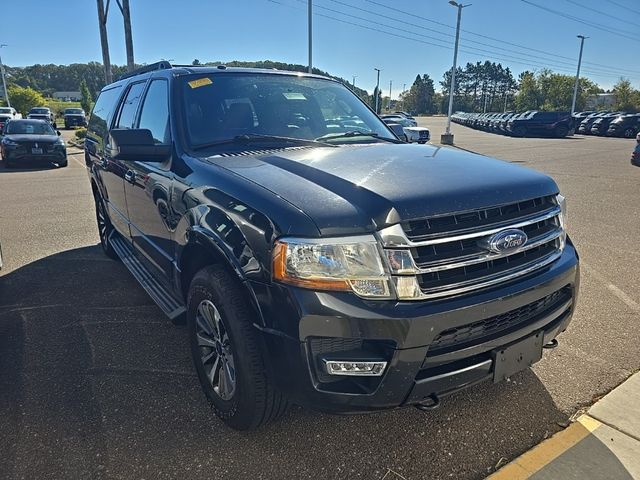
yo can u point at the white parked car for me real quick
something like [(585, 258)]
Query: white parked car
[(6, 114), (412, 132)]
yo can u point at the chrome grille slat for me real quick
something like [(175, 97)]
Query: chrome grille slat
[(458, 262), (472, 260)]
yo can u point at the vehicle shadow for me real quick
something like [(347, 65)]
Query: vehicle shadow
[(95, 382), (25, 168)]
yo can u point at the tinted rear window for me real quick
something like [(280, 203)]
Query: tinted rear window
[(103, 111)]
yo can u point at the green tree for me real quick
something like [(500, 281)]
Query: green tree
[(86, 100), (24, 99), (626, 96), (419, 98)]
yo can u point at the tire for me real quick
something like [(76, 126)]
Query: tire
[(629, 133), (63, 164), (519, 131), (226, 352), (104, 229), (561, 131)]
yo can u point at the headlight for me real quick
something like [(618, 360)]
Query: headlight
[(343, 264), (9, 143)]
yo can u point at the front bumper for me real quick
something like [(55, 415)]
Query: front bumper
[(402, 333), (20, 156)]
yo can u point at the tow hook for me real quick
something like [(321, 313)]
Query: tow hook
[(431, 403), (552, 344)]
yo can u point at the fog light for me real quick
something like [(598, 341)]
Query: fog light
[(337, 367)]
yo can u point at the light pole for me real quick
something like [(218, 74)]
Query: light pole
[(354, 82), (310, 15), (4, 82), (447, 137), (389, 105), (575, 86), (377, 90)]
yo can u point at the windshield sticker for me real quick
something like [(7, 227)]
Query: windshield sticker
[(294, 96), (201, 82)]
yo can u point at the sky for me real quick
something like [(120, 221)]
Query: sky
[(403, 38)]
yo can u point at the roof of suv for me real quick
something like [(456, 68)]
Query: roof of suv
[(202, 69)]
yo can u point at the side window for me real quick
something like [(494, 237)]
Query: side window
[(128, 108), (103, 111), (155, 111)]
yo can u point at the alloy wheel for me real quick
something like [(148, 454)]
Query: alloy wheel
[(103, 226), (216, 354)]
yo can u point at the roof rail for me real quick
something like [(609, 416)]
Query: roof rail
[(162, 65)]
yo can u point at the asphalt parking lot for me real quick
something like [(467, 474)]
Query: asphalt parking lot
[(96, 383)]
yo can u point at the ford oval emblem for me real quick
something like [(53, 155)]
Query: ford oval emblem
[(507, 240)]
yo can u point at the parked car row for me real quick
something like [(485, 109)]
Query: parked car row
[(611, 124), (555, 124), (529, 123)]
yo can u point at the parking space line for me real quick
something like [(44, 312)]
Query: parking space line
[(623, 297)]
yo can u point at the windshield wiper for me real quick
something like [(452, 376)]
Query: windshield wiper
[(357, 133), (255, 137)]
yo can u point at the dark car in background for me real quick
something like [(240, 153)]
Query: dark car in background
[(585, 125), (626, 126), (317, 261), (635, 157), (30, 141), (74, 117), (601, 125), (555, 124)]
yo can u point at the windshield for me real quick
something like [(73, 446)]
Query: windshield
[(39, 110), (225, 106), (73, 111), (29, 128)]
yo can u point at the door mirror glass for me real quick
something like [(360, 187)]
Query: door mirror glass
[(137, 145)]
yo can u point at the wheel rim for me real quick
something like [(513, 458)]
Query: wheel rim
[(628, 133), (102, 224), (216, 354)]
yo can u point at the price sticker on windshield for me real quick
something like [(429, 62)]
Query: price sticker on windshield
[(201, 82)]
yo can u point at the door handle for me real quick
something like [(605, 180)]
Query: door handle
[(130, 176)]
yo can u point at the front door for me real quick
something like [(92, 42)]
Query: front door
[(148, 186)]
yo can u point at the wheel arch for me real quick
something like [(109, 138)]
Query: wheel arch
[(204, 248)]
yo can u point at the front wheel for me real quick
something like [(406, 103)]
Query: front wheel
[(519, 131), (104, 230), (226, 352), (629, 133)]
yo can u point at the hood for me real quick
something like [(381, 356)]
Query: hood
[(32, 138), (362, 188), (79, 115), (416, 129)]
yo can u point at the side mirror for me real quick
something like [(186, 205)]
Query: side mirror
[(58, 132), (137, 145)]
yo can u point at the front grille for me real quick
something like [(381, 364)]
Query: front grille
[(451, 255), (481, 330), (417, 230)]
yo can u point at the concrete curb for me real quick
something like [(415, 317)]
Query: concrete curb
[(603, 444)]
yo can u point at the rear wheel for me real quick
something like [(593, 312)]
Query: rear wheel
[(629, 133), (226, 352), (561, 131), (104, 229)]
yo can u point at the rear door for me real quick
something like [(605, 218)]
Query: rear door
[(148, 186)]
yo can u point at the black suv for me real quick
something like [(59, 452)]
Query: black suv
[(74, 117), (316, 258), (626, 126), (556, 124)]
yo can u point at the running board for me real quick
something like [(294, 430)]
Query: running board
[(168, 303)]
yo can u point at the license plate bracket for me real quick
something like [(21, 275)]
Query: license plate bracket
[(36, 151), (517, 356)]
